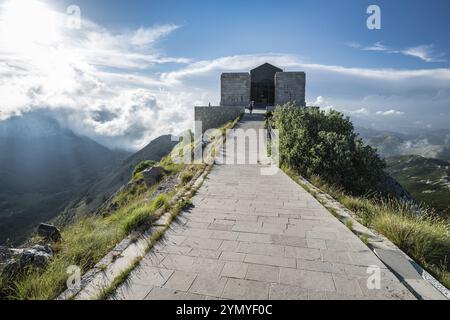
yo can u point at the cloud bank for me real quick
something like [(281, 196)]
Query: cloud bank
[(427, 53), (103, 84)]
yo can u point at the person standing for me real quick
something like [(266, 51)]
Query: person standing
[(252, 104)]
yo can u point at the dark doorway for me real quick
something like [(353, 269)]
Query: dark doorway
[(262, 89)]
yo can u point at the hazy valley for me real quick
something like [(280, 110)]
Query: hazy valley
[(46, 170), (419, 161)]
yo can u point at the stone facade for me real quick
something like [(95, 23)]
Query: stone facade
[(235, 89), (290, 87), (214, 117), (266, 85)]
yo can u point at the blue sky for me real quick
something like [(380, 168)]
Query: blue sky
[(316, 30), (138, 62)]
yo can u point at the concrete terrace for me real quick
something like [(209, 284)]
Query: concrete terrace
[(253, 236)]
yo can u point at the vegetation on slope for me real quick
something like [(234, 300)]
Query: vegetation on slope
[(427, 179), (318, 144), (102, 189)]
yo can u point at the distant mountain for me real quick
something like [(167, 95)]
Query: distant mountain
[(428, 180), (426, 143), (101, 190), (43, 167)]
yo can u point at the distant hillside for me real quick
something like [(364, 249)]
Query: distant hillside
[(101, 190), (426, 143), (428, 180), (43, 167)]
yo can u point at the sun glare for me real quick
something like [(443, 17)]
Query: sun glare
[(24, 23)]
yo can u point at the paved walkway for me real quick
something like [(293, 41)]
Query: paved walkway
[(251, 236)]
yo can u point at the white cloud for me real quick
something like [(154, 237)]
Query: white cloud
[(80, 74), (321, 102), (101, 83), (360, 111), (147, 36), (425, 52), (378, 46), (291, 62), (390, 113), (230, 64)]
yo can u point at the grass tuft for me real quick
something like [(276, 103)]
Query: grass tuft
[(364, 238), (137, 217), (349, 224), (186, 177)]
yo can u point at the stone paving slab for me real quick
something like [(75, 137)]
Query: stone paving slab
[(251, 236)]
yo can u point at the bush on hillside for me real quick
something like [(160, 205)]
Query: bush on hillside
[(315, 142), (142, 166)]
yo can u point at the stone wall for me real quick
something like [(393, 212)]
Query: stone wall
[(214, 117), (235, 89), (290, 87)]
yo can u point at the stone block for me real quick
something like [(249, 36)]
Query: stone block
[(235, 89), (152, 175), (180, 281), (239, 289), (290, 87), (233, 269)]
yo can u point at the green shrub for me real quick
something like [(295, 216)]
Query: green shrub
[(141, 167), (315, 142)]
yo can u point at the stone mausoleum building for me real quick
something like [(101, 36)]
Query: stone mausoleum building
[(266, 85)]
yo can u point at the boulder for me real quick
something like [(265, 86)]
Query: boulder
[(152, 175), (21, 259), (37, 256), (49, 232), (46, 249)]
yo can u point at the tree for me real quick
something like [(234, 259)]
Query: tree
[(315, 142)]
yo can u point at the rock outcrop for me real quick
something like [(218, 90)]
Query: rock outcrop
[(14, 261), (49, 232), (391, 186), (152, 175)]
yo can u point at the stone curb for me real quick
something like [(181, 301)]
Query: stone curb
[(422, 284)]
